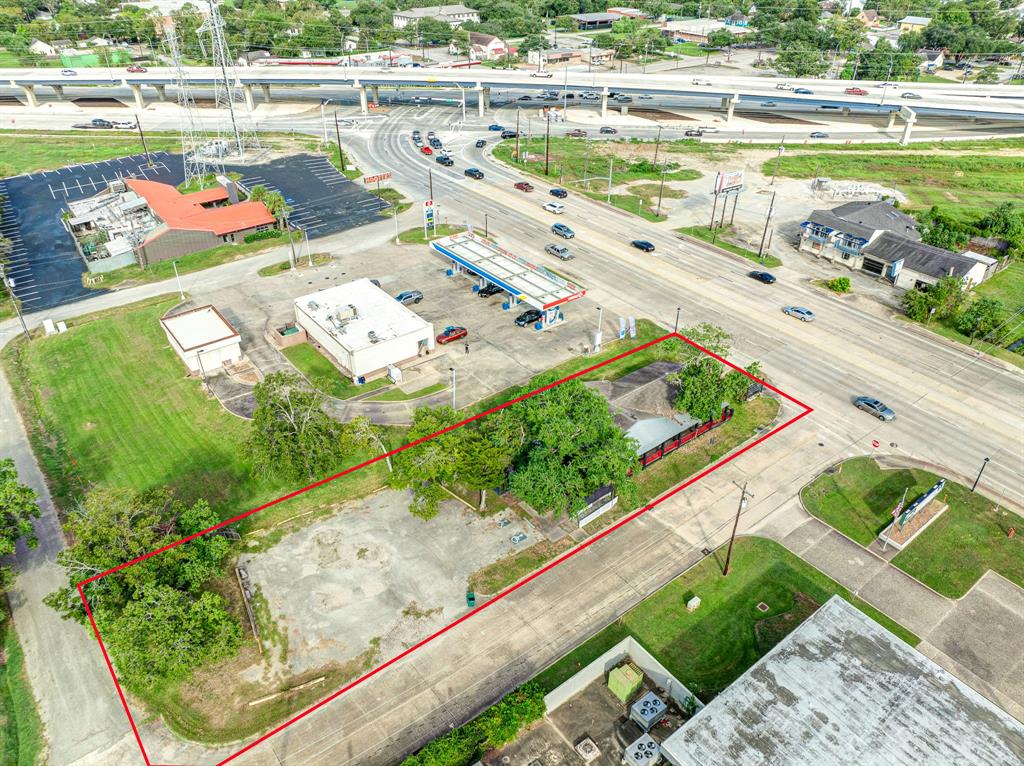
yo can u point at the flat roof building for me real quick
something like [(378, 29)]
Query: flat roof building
[(453, 15), (841, 689), (595, 20), (203, 338), (362, 328)]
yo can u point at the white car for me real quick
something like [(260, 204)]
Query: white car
[(591, 96), (701, 81), (708, 129), (541, 73), (124, 125), (889, 85), (783, 86), (555, 207)]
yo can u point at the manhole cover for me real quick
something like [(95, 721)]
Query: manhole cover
[(762, 607)]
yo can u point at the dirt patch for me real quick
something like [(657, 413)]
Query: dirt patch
[(771, 630), (661, 115)]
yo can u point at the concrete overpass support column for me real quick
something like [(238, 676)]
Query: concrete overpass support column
[(907, 127), (59, 90), (487, 98), (266, 93), (161, 92), (624, 109), (604, 103), (375, 94), (364, 107), (892, 121), (481, 105), (250, 104), (729, 105), (30, 95), (140, 102)]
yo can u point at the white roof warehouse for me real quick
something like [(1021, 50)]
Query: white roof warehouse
[(363, 328)]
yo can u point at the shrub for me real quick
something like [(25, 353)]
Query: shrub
[(256, 236), (839, 285)]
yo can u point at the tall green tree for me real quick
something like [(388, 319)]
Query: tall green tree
[(981, 318), (18, 506), (426, 467)]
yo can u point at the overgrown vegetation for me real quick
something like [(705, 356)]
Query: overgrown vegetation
[(717, 237), (839, 285), (21, 731)]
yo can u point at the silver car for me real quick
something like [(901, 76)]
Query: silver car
[(559, 251), (875, 407), (804, 315)]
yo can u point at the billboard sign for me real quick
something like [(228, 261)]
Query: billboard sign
[(729, 181), (377, 178)]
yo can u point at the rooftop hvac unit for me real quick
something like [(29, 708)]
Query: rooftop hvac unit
[(118, 187), (645, 750), (373, 337), (313, 306), (345, 313), (647, 711), (588, 750)]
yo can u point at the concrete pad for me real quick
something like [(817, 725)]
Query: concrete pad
[(843, 560), (806, 536), (895, 593)]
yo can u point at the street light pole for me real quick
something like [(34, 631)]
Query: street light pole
[(978, 478), (735, 526), (181, 293), (657, 145), (767, 220), (485, 225), (8, 282), (661, 190), (679, 310), (452, 371)]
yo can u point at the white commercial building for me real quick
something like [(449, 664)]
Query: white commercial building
[(363, 328), (203, 338)]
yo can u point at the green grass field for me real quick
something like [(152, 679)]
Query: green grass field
[(21, 731), (715, 237), (108, 403), (319, 371), (1006, 286), (951, 554), (710, 648), (27, 154)]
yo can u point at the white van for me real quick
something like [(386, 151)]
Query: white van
[(555, 207)]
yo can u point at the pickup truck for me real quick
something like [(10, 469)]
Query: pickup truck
[(576, 133)]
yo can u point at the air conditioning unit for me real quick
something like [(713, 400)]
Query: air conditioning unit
[(643, 751), (588, 750), (373, 337), (345, 313)]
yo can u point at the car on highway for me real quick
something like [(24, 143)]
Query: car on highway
[(90, 126), (708, 128), (495, 127), (450, 334), (622, 98), (804, 91), (554, 207), (136, 69), (576, 133), (488, 290), (911, 95), (68, 72), (508, 134), (444, 159), (783, 86), (541, 73), (426, 150), (643, 244), (875, 407), (562, 231), (99, 122), (480, 144), (529, 317), (559, 251), (474, 173), (804, 315), (762, 276), (526, 98), (525, 186), (768, 103), (560, 193), (889, 85), (608, 131), (435, 142), (416, 135), (855, 92), (431, 134), (693, 132), (645, 97), (701, 81), (819, 134), (124, 125), (409, 296), (590, 95)]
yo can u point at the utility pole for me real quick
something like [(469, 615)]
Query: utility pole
[(8, 282), (611, 163), (452, 371), (341, 154), (138, 124), (547, 144), (657, 145), (778, 159), (430, 183), (735, 526), (679, 310), (517, 135), (973, 486), (661, 190), (181, 293), (767, 219), (485, 226), (714, 209), (291, 242)]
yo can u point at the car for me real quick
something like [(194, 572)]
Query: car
[(68, 72), (416, 135), (563, 231), (624, 99), (910, 95), (444, 159), (855, 92), (518, 537), (90, 126), (474, 173), (783, 86), (608, 131), (541, 73), (828, 106), (480, 144), (643, 244), (768, 103), (708, 128), (99, 122), (559, 251), (576, 133), (409, 296), (426, 150), (436, 143), (693, 132), (804, 315), (762, 276), (819, 134), (889, 85), (495, 127), (488, 290), (525, 186), (418, 141), (804, 91), (875, 407), (508, 134), (701, 81), (431, 134), (136, 69), (526, 98), (560, 193), (529, 317), (450, 334), (124, 125), (645, 97), (591, 96), (554, 207)]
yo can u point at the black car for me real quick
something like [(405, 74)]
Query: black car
[(480, 144), (436, 143), (560, 193), (529, 317), (444, 160), (474, 173), (99, 122), (488, 290), (693, 132), (608, 131), (643, 244), (762, 276), (508, 134)]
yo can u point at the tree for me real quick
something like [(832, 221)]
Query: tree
[(533, 43), (433, 31), (291, 436), (980, 318), (721, 38), (988, 75), (709, 336), (947, 296), (1005, 221), (17, 509), (917, 304), (797, 61), (366, 434), (274, 201), (704, 386), (426, 467), (482, 463)]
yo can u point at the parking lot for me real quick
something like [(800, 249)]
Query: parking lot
[(45, 265)]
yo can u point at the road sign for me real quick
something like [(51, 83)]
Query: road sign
[(385, 176)]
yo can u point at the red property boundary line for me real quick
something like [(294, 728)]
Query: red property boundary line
[(806, 410)]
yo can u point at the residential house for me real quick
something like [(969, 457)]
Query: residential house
[(913, 23), (869, 18), (483, 47), (452, 15), (629, 13), (737, 20), (253, 57), (99, 42), (878, 239), (39, 48), (932, 59), (598, 56)]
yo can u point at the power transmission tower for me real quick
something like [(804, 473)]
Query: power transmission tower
[(242, 134), (198, 158)]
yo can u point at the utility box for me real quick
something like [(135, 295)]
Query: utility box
[(625, 681), (644, 750), (648, 710), (693, 604)]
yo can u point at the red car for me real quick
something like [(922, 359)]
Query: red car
[(524, 186), (136, 69), (426, 150), (450, 334), (576, 133), (855, 92)]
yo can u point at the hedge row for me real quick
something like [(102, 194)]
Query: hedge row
[(256, 236)]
